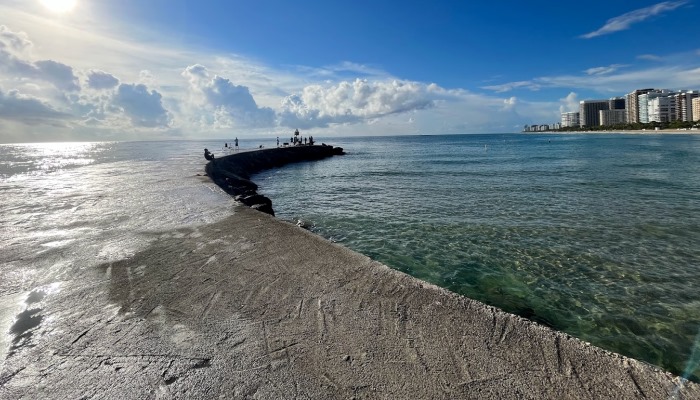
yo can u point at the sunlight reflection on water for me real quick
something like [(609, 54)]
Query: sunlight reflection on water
[(69, 206)]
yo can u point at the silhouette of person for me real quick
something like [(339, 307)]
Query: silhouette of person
[(209, 156)]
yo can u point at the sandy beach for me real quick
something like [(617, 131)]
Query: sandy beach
[(635, 132)]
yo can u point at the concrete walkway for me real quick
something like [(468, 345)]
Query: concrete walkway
[(252, 307)]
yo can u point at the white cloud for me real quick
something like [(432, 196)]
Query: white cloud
[(649, 57), (350, 102), (507, 87), (509, 103), (667, 76), (342, 70), (27, 109), (626, 20), (143, 107), (232, 105), (13, 42), (101, 80), (604, 70), (14, 51), (570, 103)]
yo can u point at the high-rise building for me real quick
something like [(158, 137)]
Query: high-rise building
[(684, 107), (632, 105), (570, 119), (617, 103), (696, 109), (612, 117), (662, 108), (588, 111), (643, 103)]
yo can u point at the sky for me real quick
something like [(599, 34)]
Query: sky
[(89, 70)]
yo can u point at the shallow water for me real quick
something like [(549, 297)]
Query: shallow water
[(594, 235)]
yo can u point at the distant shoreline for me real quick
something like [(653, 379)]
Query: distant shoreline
[(626, 132)]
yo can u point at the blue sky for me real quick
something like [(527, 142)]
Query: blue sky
[(174, 69)]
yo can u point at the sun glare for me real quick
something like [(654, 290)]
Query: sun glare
[(59, 6)]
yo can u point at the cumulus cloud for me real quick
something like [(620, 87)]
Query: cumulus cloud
[(27, 109), (570, 103), (61, 75), (14, 49), (44, 88), (346, 102), (232, 105), (626, 20), (101, 80), (143, 107)]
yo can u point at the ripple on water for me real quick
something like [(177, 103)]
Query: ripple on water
[(593, 235)]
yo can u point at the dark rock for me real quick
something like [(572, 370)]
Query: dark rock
[(266, 208), (254, 199)]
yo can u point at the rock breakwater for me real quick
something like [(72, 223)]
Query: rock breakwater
[(232, 173)]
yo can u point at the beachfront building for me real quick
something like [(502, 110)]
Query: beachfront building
[(632, 104), (612, 117), (617, 103), (662, 109), (589, 111), (643, 103), (684, 104), (570, 120), (696, 109), (530, 128)]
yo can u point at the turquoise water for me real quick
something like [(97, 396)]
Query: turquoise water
[(593, 235)]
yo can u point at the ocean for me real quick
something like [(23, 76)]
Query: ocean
[(593, 235), (68, 206)]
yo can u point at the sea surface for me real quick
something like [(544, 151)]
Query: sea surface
[(68, 206), (593, 235)]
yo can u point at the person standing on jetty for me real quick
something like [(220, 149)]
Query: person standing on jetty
[(235, 143)]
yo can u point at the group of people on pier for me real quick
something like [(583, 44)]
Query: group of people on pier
[(296, 140)]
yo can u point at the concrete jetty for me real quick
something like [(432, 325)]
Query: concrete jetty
[(254, 307)]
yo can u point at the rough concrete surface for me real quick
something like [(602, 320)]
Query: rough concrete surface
[(253, 307)]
